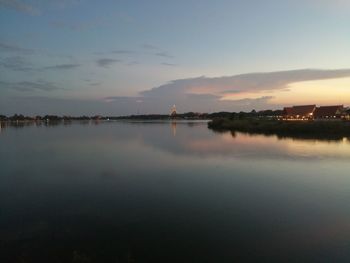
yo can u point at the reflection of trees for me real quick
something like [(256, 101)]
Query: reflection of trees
[(326, 131), (17, 124), (233, 134), (50, 123)]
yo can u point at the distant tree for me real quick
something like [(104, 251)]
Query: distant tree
[(241, 115), (278, 112), (17, 117)]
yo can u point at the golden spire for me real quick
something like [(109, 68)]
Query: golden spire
[(173, 111)]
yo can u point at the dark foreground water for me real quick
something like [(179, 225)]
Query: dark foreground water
[(166, 192)]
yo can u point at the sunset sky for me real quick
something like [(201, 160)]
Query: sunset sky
[(116, 57)]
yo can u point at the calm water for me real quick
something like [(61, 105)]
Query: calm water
[(166, 192)]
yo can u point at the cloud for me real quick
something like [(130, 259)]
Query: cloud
[(16, 63), (206, 94), (231, 91), (76, 26), (19, 6), (106, 62), (122, 51), (95, 84), (200, 94), (169, 64), (63, 66), (14, 48), (160, 52), (252, 82), (29, 86), (163, 54), (20, 63)]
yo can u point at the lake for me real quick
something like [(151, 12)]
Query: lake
[(170, 192)]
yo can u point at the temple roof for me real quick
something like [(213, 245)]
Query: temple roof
[(303, 110), (324, 111)]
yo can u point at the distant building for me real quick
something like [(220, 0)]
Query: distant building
[(303, 112), (311, 112), (288, 111), (173, 112), (346, 113), (329, 112)]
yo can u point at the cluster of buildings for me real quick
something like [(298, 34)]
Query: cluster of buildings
[(312, 112)]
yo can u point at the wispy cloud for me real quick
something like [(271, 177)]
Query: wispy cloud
[(157, 51), (20, 63), (29, 86), (16, 63), (231, 91), (94, 84), (252, 82), (76, 26), (19, 6), (122, 51), (163, 54), (4, 47), (106, 62), (169, 64), (63, 66)]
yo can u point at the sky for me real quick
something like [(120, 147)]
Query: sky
[(115, 57)]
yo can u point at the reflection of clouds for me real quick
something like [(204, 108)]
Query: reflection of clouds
[(201, 141), (239, 144), (260, 145), (193, 139), (320, 149)]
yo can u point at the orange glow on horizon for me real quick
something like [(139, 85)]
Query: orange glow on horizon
[(320, 92)]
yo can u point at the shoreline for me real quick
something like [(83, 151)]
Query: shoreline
[(328, 130)]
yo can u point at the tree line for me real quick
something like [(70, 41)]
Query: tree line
[(187, 115)]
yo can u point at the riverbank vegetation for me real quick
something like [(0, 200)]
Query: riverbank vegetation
[(301, 129), (180, 116)]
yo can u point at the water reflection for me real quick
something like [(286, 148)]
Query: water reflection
[(173, 127), (241, 145), (203, 142), (109, 191), (262, 146)]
